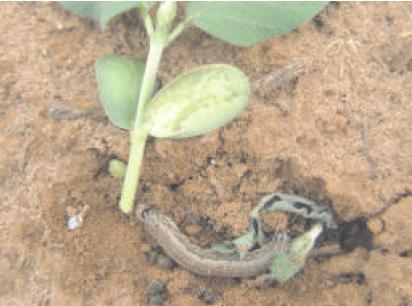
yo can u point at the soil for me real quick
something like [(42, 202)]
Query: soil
[(339, 134)]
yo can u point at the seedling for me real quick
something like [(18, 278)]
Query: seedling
[(198, 101), (195, 103)]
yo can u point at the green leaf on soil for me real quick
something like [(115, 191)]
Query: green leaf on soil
[(246, 23), (119, 79)]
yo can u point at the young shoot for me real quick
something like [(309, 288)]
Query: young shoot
[(200, 100), (193, 104)]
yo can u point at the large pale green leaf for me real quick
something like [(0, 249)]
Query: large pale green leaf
[(119, 79), (198, 101), (101, 11), (246, 23)]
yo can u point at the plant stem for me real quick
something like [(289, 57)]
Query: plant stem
[(139, 133), (149, 80), (179, 29), (131, 178)]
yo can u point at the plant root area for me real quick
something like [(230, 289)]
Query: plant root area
[(339, 134)]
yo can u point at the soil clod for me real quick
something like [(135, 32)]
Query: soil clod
[(157, 293), (209, 296)]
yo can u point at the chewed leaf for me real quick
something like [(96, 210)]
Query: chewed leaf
[(224, 248), (245, 242), (287, 264), (101, 11), (119, 79), (246, 23), (241, 245), (198, 101)]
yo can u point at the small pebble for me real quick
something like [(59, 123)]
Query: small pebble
[(76, 218), (75, 222), (193, 229), (341, 122), (164, 262), (157, 287), (157, 293), (209, 296), (195, 291), (375, 225)]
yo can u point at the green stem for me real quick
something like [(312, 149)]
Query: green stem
[(149, 80), (131, 178), (139, 133), (179, 29)]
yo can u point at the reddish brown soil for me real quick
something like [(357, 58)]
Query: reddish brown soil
[(339, 134)]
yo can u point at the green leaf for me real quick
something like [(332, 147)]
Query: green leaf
[(287, 264), (224, 248), (101, 11), (119, 79), (198, 101), (246, 23)]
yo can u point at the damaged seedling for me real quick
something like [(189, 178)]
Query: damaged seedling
[(193, 104), (196, 102), (201, 99)]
